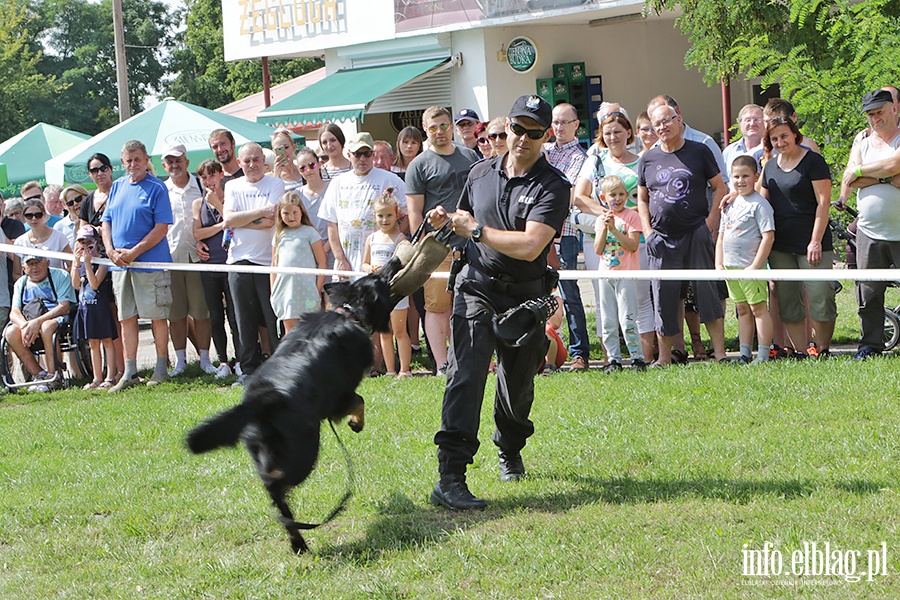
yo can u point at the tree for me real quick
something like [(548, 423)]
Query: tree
[(79, 37), (22, 86), (713, 27), (204, 78), (853, 50), (824, 55)]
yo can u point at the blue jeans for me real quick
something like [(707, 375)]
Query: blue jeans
[(579, 345)]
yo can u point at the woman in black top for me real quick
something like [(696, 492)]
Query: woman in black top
[(797, 183), (208, 230)]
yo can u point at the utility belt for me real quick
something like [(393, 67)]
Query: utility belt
[(506, 285)]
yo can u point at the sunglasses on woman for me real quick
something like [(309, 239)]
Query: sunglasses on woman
[(77, 200), (532, 134), (33, 215), (501, 135), (308, 167), (101, 169), (482, 140)]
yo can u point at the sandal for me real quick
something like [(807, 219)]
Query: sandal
[(107, 383), (92, 385), (404, 374)]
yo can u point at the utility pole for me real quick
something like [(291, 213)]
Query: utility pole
[(121, 65)]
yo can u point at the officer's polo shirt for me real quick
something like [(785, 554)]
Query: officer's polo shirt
[(498, 202)]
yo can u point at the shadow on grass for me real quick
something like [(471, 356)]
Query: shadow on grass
[(404, 523)]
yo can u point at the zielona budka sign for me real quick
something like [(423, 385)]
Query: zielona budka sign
[(522, 54), (259, 16)]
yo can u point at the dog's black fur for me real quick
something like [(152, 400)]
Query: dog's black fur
[(312, 376)]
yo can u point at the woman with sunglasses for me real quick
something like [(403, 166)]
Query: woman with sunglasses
[(71, 197), (41, 235), (312, 192), (482, 143), (331, 142), (496, 133), (100, 170)]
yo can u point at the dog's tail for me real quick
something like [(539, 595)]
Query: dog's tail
[(222, 430)]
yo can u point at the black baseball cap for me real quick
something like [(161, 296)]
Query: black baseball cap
[(876, 99), (534, 107), (466, 114)]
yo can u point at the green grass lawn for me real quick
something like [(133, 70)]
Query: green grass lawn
[(641, 485)]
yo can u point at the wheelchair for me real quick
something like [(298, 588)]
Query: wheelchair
[(66, 342)]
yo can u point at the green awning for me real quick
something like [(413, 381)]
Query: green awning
[(345, 94)]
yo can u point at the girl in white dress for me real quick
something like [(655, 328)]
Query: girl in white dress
[(296, 244), (379, 249)]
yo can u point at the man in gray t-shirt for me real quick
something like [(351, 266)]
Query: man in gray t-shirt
[(436, 178)]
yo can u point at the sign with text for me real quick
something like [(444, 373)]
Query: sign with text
[(256, 28)]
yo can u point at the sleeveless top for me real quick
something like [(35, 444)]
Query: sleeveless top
[(210, 216)]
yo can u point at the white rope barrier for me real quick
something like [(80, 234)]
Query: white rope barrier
[(665, 275)]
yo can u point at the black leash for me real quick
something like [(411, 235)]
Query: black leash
[(347, 494)]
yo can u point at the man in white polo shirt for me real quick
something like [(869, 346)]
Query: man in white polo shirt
[(347, 205), (250, 206)]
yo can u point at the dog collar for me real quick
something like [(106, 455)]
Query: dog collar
[(346, 311)]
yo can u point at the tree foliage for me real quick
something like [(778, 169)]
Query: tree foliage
[(854, 51), (80, 52), (204, 78), (824, 54), (22, 85)]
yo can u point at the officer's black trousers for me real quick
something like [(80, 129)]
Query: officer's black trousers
[(472, 343)]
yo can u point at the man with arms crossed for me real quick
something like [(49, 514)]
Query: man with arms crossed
[(878, 229), (249, 210)]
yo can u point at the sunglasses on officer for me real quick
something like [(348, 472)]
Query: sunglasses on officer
[(532, 134)]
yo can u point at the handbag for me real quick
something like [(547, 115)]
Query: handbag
[(36, 307)]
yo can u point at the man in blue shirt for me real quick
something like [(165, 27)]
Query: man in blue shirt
[(135, 224)]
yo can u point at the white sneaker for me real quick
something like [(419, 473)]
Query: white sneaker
[(240, 381), (237, 369), (178, 370), (209, 368), (223, 371), (39, 387)]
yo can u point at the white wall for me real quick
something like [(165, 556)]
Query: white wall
[(637, 61)]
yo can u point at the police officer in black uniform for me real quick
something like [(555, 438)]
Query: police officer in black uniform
[(511, 209)]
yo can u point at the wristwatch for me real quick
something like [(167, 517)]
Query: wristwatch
[(476, 233), (885, 179)]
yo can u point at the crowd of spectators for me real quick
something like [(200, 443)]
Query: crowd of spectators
[(648, 194)]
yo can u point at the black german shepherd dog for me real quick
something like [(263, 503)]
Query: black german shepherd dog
[(312, 376)]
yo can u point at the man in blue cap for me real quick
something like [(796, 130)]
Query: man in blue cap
[(465, 122)]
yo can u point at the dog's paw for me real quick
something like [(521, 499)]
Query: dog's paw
[(356, 423), (358, 415)]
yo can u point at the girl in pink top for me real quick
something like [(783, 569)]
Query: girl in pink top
[(618, 237)]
